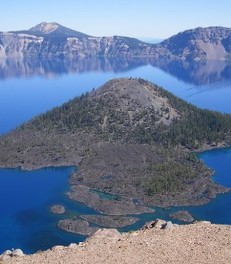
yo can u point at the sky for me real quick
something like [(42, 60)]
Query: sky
[(133, 18)]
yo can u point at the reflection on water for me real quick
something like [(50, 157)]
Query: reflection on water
[(197, 73), (31, 86), (28, 67)]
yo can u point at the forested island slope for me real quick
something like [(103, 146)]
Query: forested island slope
[(130, 138)]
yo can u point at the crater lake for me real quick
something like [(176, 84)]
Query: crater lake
[(29, 87)]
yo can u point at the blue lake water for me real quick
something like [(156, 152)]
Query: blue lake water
[(25, 218), (32, 86)]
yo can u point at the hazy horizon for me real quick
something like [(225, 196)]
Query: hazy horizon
[(141, 19)]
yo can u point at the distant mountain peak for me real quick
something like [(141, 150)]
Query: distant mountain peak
[(53, 39), (53, 29), (45, 28)]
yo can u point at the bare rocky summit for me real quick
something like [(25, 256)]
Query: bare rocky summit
[(202, 243), (53, 30)]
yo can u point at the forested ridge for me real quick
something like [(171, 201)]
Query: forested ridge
[(190, 128), (196, 126)]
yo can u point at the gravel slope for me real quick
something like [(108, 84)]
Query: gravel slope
[(196, 243)]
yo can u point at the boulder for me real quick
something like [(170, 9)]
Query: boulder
[(17, 253), (74, 245), (6, 255), (14, 253), (158, 223), (7, 252), (168, 225), (57, 248), (105, 234)]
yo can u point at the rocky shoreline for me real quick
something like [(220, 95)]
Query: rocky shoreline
[(208, 147), (82, 193), (105, 171), (82, 225)]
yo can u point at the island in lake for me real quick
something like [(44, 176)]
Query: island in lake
[(134, 144)]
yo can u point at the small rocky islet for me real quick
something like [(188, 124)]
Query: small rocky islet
[(82, 225), (182, 215), (58, 209)]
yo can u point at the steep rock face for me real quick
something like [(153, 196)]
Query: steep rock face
[(210, 43), (54, 40), (24, 45), (18, 45), (227, 43)]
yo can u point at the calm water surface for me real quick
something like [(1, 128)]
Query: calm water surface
[(29, 87)]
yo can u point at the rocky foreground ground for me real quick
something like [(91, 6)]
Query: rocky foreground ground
[(197, 243)]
